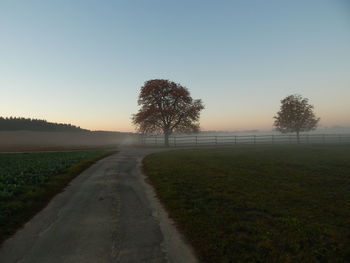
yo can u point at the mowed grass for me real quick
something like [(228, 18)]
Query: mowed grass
[(29, 180), (258, 204)]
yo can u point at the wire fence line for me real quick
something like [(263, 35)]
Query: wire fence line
[(207, 140)]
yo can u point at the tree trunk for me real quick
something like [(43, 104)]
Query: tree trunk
[(166, 139), (298, 137)]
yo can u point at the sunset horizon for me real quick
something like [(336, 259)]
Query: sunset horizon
[(84, 64)]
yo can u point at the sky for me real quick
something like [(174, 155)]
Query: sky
[(84, 61)]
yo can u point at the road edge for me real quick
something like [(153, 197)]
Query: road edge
[(177, 249)]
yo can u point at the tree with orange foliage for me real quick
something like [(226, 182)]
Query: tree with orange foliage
[(166, 107)]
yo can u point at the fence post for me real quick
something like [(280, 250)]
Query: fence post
[(255, 139)]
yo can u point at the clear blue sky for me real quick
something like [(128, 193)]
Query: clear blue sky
[(83, 62)]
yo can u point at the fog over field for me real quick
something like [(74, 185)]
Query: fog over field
[(319, 130), (14, 141), (25, 140)]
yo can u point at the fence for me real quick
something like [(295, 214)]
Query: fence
[(207, 140)]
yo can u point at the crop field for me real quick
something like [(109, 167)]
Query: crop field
[(28, 169), (29, 180), (258, 204)]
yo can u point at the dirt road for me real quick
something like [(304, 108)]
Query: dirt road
[(106, 214)]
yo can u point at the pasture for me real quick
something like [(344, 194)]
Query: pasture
[(258, 204), (29, 180)]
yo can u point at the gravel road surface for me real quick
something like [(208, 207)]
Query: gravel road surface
[(107, 214)]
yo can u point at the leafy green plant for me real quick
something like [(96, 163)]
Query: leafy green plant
[(18, 170), (29, 180)]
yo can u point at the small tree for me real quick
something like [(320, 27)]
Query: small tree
[(166, 107), (295, 115)]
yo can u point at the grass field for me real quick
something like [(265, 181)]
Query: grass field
[(29, 180), (258, 204)]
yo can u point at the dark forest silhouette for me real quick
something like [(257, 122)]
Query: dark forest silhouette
[(24, 124)]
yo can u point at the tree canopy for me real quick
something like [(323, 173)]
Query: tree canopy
[(166, 107), (295, 115)]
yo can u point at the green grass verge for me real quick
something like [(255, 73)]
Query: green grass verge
[(258, 204), (16, 209)]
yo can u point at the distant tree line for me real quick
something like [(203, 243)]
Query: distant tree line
[(24, 124)]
